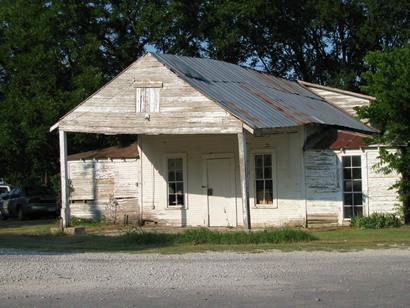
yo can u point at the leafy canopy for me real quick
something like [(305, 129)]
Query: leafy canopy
[(388, 80)]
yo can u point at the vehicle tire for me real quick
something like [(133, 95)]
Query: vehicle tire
[(20, 213)]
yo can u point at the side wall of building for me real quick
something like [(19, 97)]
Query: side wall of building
[(104, 189)]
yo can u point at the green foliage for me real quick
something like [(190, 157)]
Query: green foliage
[(376, 221), (53, 54), (388, 80), (206, 236)]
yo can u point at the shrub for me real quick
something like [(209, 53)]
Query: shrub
[(376, 221)]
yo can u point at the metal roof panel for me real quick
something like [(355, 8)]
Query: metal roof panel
[(257, 98)]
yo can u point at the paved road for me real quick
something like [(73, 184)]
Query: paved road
[(366, 278)]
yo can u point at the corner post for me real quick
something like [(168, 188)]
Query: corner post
[(243, 170), (65, 208)]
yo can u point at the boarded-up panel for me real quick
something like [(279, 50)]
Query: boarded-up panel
[(322, 171)]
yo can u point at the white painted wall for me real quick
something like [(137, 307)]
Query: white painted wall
[(290, 207)]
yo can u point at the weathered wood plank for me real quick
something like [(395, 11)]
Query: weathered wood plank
[(65, 206), (243, 170)]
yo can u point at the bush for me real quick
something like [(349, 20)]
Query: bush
[(376, 221), (206, 236)]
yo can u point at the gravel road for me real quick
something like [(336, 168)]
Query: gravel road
[(365, 278)]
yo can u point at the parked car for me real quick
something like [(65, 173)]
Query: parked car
[(4, 191), (23, 202)]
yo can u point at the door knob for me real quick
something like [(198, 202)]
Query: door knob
[(210, 191)]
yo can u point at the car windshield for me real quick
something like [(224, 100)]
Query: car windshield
[(3, 190), (38, 191)]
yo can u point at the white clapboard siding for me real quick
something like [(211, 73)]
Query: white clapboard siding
[(95, 183), (381, 197), (343, 101), (120, 107)]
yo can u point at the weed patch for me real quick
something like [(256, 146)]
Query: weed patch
[(205, 236), (376, 221)]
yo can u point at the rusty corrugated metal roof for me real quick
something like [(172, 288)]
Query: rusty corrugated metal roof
[(128, 151), (258, 99), (336, 140)]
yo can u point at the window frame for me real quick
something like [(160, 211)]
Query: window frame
[(253, 197), (182, 156), (363, 175)]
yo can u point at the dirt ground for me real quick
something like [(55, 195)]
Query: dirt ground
[(365, 278)]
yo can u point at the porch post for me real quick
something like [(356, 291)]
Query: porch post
[(65, 207), (243, 170)]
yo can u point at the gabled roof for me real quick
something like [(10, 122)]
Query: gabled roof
[(127, 151), (258, 99)]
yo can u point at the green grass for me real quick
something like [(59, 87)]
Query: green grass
[(35, 235), (203, 236)]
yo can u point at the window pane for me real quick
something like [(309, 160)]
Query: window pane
[(358, 211), (178, 164), (357, 173), (179, 188), (267, 173), (347, 212), (171, 188), (171, 175), (180, 199), (347, 174), (356, 161), (358, 199), (259, 173), (171, 164), (171, 199), (269, 191), (179, 175), (347, 185), (258, 161), (357, 186), (347, 199), (267, 160), (259, 192), (346, 161)]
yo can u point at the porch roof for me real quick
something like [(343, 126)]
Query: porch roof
[(259, 99)]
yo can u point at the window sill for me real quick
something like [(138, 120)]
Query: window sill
[(175, 207), (261, 206)]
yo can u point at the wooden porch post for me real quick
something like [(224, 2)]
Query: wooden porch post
[(243, 169), (65, 207)]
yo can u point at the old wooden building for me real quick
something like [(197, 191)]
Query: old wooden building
[(224, 145), (103, 184)]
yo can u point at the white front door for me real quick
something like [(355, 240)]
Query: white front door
[(221, 192)]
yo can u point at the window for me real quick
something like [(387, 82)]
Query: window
[(263, 178), (175, 182), (352, 186), (147, 100)]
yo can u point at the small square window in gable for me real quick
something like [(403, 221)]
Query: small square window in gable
[(147, 97)]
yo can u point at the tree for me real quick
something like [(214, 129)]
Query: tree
[(388, 80), (53, 54), (316, 40)]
